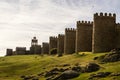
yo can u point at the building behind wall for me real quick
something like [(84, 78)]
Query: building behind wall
[(9, 52), (69, 43), (103, 32), (84, 36), (60, 45), (20, 51), (35, 48), (45, 48)]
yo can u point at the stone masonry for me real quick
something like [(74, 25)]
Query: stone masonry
[(45, 48), (60, 45), (69, 43), (52, 42), (103, 32), (84, 36)]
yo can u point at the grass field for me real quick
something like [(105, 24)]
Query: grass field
[(12, 67)]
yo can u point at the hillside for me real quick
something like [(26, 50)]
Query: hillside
[(13, 67)]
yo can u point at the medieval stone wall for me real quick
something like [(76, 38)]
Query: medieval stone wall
[(60, 45), (45, 48), (84, 36), (69, 43), (103, 32), (100, 36), (118, 35)]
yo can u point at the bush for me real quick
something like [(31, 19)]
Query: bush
[(53, 51)]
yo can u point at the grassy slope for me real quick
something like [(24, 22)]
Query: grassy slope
[(12, 67)]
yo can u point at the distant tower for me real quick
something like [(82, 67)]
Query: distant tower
[(84, 36), (34, 41), (70, 38), (45, 48), (103, 32), (60, 45), (52, 43)]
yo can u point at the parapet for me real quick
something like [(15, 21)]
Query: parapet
[(53, 37), (38, 45), (117, 23), (61, 35), (20, 48), (70, 29), (105, 15), (45, 43), (9, 52), (84, 23), (118, 26)]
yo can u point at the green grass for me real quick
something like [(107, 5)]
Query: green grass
[(12, 67)]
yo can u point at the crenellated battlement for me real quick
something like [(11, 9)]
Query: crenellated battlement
[(105, 15), (118, 26), (84, 23), (61, 35), (117, 23), (70, 29), (53, 37), (45, 43)]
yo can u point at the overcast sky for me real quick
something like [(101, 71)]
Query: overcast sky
[(20, 20)]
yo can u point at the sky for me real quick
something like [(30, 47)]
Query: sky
[(21, 20)]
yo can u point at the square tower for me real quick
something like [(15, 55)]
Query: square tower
[(45, 48), (60, 45), (84, 36), (103, 32), (52, 43), (70, 38)]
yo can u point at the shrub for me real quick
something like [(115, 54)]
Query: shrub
[(53, 51)]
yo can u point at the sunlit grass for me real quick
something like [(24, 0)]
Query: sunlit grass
[(12, 67)]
